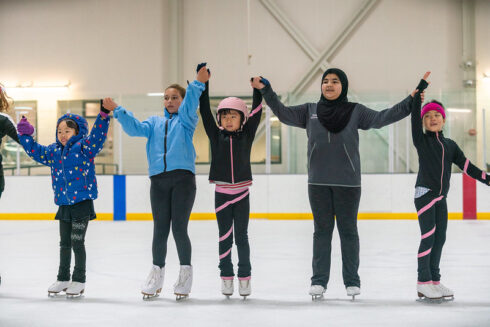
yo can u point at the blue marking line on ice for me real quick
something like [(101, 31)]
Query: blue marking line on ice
[(119, 197)]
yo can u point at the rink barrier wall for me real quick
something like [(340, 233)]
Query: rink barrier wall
[(273, 197)]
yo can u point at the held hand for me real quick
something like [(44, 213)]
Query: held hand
[(24, 127), (109, 104), (203, 74), (426, 75), (256, 83)]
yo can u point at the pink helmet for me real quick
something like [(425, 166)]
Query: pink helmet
[(235, 104)]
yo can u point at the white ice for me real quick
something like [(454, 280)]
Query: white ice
[(119, 258)]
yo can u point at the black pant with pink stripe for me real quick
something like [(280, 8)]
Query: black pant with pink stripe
[(233, 215), (432, 213)]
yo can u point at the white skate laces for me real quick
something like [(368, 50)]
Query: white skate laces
[(183, 285), (244, 287), (154, 282), (227, 287)]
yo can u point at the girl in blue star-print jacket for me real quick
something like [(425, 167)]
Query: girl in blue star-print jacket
[(71, 159)]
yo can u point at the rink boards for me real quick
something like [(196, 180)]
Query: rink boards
[(274, 197)]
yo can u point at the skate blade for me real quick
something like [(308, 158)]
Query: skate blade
[(429, 300), (244, 296), (448, 298), (55, 294), (180, 297), (74, 296), (317, 297), (149, 296)]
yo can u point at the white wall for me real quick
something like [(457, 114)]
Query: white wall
[(269, 194)]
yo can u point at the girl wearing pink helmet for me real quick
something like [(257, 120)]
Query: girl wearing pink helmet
[(231, 143)]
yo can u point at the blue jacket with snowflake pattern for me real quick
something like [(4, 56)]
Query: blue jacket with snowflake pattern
[(72, 165)]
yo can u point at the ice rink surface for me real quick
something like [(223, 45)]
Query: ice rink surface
[(119, 259)]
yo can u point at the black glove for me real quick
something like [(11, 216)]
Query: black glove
[(104, 110)]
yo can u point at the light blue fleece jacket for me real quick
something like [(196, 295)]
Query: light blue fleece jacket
[(169, 144)]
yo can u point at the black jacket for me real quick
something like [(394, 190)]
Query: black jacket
[(230, 151), (7, 127), (436, 155)]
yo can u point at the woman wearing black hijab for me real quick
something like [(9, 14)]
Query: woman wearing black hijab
[(334, 168)]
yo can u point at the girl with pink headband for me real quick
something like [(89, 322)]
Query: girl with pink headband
[(436, 155), (231, 144)]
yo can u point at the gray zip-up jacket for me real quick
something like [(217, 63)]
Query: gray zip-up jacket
[(333, 159)]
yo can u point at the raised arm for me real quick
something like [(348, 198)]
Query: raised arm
[(188, 107), (468, 168), (131, 125), (208, 121), (256, 113), (293, 115), (36, 151), (376, 119), (417, 130), (94, 142)]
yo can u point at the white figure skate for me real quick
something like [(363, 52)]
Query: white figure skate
[(353, 291), (316, 292), (227, 287), (244, 288), (447, 293), (183, 285), (428, 293), (57, 287), (153, 284), (75, 290)]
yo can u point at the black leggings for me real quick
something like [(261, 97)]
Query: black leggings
[(328, 203), (232, 213), (72, 235), (172, 196), (2, 185), (432, 213)]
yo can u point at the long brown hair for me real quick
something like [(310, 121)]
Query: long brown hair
[(5, 101)]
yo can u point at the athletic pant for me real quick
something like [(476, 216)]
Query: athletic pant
[(232, 213), (2, 185), (432, 213), (172, 196), (328, 202), (72, 236)]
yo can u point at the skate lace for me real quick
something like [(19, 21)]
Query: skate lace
[(152, 277), (183, 276)]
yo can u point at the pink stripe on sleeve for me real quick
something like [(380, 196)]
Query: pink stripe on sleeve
[(466, 164), (255, 110)]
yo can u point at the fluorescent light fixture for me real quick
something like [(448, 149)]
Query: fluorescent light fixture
[(155, 94), (38, 86), (459, 110)]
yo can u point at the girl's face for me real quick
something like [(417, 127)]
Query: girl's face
[(65, 133), (433, 121), (230, 121), (331, 87), (172, 100)]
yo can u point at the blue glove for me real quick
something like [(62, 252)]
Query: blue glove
[(264, 81)]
